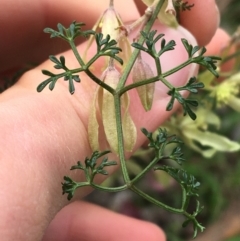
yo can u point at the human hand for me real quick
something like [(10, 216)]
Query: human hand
[(43, 134)]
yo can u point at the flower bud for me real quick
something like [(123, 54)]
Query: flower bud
[(142, 71)]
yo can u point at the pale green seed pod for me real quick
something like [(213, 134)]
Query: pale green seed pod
[(111, 77), (93, 125), (128, 126), (110, 23), (142, 71), (104, 102)]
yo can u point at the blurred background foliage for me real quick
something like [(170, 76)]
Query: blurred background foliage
[(219, 176)]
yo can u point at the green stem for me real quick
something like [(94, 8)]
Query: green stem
[(87, 71), (92, 60), (121, 151), (160, 77), (177, 68), (137, 84), (99, 82), (141, 41), (158, 65), (184, 198), (156, 202), (168, 84), (145, 170), (109, 189), (77, 55), (157, 158)]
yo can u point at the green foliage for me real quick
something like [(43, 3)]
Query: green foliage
[(69, 187), (161, 140), (107, 47), (151, 41), (68, 75), (187, 181), (181, 5), (192, 86), (68, 34), (91, 169), (207, 61), (186, 103)]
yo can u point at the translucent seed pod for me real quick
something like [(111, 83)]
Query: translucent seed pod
[(104, 102), (142, 71), (111, 77), (110, 23)]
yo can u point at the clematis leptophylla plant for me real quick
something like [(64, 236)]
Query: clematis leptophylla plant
[(102, 112)]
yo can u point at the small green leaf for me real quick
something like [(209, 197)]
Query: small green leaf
[(192, 102), (194, 50), (138, 46), (76, 78), (170, 103), (62, 60), (78, 166), (187, 110), (43, 84), (185, 223), (54, 59), (69, 187), (71, 85), (46, 72), (103, 172), (187, 46), (52, 84), (168, 47), (60, 28)]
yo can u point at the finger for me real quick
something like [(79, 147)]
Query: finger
[(22, 27), (84, 221), (140, 6), (218, 44), (202, 20)]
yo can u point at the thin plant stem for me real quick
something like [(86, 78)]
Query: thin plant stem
[(154, 201), (77, 55), (117, 100), (145, 170), (135, 53), (109, 189), (121, 151)]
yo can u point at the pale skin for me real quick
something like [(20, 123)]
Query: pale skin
[(43, 134)]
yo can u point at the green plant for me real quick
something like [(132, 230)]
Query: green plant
[(119, 130)]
